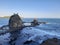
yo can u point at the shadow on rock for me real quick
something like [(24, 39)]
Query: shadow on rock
[(31, 43)]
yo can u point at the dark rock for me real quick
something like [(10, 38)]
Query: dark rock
[(15, 22), (34, 22), (53, 41), (31, 43), (28, 42)]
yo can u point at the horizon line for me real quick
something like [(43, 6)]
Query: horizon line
[(26, 17)]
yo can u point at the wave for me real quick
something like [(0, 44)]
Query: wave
[(37, 34)]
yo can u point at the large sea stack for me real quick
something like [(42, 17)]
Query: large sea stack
[(15, 25), (15, 22)]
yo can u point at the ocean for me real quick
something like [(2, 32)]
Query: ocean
[(4, 21), (38, 33)]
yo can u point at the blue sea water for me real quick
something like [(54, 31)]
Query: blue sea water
[(38, 33), (4, 21)]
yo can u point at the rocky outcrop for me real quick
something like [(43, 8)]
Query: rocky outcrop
[(15, 22), (53, 41), (34, 22), (15, 25)]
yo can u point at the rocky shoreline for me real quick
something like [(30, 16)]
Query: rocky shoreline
[(53, 41)]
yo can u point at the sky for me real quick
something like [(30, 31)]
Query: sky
[(31, 8)]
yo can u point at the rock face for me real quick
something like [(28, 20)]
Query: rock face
[(15, 22), (53, 41)]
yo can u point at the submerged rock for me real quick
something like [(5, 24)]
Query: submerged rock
[(53, 41)]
